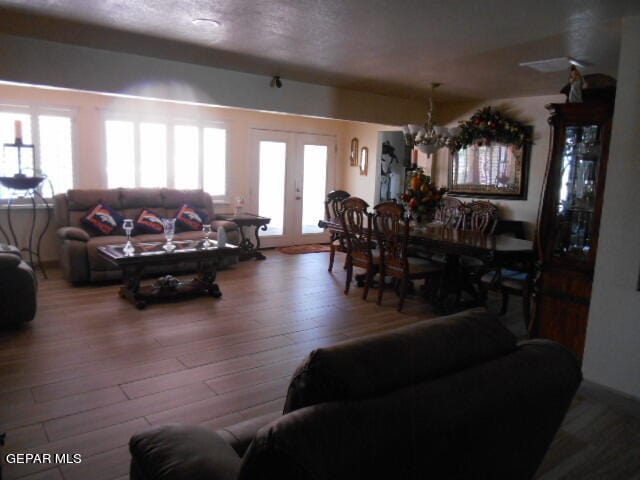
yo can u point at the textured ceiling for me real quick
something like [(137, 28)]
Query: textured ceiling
[(394, 48)]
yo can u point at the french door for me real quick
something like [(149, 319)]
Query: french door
[(293, 173)]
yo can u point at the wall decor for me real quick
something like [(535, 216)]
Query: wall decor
[(364, 160), (490, 157), (353, 155), (487, 171)]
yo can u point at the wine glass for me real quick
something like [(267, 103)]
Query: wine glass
[(206, 231), (127, 225), (169, 225)]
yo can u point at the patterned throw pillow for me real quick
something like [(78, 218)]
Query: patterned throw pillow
[(149, 222), (190, 218), (102, 219)]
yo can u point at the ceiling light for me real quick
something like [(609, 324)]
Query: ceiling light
[(553, 64), (431, 137), (206, 21)]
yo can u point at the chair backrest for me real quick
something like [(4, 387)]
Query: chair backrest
[(480, 216), (333, 205), (356, 225), (449, 212), (392, 235)]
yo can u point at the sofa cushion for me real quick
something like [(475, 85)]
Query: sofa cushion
[(103, 219), (190, 218), (148, 222), (381, 363), (177, 452)]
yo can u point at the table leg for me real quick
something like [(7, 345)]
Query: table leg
[(249, 250), (131, 278), (206, 279)]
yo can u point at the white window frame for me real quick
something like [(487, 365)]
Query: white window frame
[(170, 123), (34, 110)]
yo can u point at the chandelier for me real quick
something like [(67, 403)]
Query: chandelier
[(429, 138)]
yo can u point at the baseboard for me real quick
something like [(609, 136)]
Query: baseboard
[(619, 400)]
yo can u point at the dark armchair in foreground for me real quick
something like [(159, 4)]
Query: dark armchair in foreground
[(452, 398), (18, 288)]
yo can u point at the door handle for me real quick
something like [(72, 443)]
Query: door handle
[(298, 190)]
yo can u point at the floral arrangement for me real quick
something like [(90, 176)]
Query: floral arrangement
[(488, 125), (421, 196)]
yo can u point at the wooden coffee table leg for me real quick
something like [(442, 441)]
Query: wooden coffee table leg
[(207, 270), (131, 278)]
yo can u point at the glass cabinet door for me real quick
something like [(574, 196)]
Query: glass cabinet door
[(576, 199)]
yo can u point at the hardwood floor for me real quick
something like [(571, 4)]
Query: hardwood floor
[(91, 370)]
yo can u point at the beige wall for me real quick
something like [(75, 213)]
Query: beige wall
[(612, 352), (89, 110), (528, 110)]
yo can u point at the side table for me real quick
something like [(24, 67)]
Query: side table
[(248, 221), (26, 187)]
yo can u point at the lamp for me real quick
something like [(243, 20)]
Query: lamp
[(430, 138)]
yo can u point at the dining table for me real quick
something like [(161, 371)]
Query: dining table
[(435, 239)]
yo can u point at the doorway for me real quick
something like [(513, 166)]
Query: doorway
[(294, 172)]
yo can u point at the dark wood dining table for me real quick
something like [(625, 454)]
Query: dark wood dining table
[(495, 251)]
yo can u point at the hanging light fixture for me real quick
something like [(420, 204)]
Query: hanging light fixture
[(429, 138)]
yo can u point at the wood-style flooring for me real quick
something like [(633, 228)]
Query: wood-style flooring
[(91, 370)]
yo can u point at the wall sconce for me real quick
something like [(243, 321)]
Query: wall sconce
[(276, 82)]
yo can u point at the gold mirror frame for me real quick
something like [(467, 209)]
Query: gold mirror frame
[(364, 160), (353, 156)]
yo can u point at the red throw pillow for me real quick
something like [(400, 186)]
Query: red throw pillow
[(102, 219), (149, 222), (191, 218)]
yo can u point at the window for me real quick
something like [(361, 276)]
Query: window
[(177, 154), (52, 156)]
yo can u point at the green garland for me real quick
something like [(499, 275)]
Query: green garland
[(487, 126)]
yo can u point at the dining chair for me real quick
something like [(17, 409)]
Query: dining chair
[(480, 216), (332, 212), (392, 235), (356, 224), (449, 212)]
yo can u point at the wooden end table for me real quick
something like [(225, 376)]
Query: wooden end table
[(168, 287), (248, 220)]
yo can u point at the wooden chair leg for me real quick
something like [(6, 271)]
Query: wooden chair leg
[(349, 275), (368, 283), (332, 256), (403, 292), (526, 307), (381, 286), (505, 302)]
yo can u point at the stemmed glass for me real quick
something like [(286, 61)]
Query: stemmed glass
[(169, 225), (127, 226), (206, 231)]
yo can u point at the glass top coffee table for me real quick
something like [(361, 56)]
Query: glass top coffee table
[(133, 265)]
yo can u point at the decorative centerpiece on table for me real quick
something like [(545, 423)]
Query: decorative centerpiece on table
[(422, 196), (488, 126)]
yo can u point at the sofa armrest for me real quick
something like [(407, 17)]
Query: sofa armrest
[(180, 452), (240, 435), (226, 224), (73, 233), (9, 261)]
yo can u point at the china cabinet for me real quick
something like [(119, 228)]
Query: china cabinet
[(569, 220)]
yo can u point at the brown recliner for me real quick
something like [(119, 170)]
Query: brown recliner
[(452, 398), (18, 288)]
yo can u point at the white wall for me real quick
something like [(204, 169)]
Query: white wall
[(612, 352), (39, 62), (528, 110)]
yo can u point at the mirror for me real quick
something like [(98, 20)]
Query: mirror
[(495, 170), (364, 160), (353, 156)]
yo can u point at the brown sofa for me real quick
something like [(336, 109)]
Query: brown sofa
[(78, 245), (18, 288), (451, 398)]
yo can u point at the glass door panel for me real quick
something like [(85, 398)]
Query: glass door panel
[(576, 198), (272, 158), (313, 187)]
